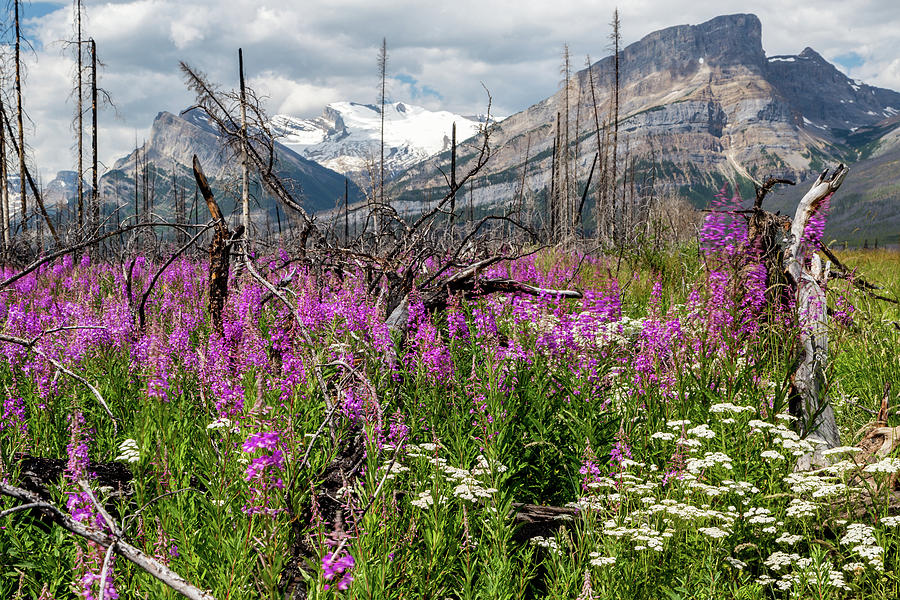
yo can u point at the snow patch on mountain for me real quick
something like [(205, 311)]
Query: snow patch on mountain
[(347, 137)]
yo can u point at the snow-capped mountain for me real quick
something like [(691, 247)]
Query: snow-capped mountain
[(347, 137)]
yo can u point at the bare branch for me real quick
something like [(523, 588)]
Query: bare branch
[(30, 345), (148, 564)]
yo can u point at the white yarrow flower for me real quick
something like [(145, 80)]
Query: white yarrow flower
[(129, 451), (220, 423), (424, 500), (890, 521), (887, 465), (702, 431), (841, 450), (602, 561), (713, 532)]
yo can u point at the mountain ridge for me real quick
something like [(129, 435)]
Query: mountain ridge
[(346, 137), (700, 106), (701, 103)]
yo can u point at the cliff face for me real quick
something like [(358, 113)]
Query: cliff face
[(702, 102), (827, 97)]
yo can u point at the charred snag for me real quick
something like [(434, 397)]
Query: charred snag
[(219, 250)]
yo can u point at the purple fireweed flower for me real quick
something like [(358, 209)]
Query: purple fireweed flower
[(620, 451), (485, 322), (457, 327), (590, 470), (12, 417), (165, 549), (77, 449), (267, 441), (843, 311), (723, 233), (338, 567), (398, 431), (90, 563), (427, 349), (263, 473), (354, 405)]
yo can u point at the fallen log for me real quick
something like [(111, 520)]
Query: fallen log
[(467, 284)]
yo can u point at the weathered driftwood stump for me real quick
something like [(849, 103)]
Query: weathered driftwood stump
[(794, 272), (809, 401)]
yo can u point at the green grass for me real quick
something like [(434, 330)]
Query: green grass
[(511, 425)]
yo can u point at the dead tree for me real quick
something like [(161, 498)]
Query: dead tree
[(219, 250), (27, 176), (616, 38), (453, 173), (599, 208), (95, 191), (810, 402), (793, 270), (79, 114), (564, 206), (260, 143), (4, 187), (382, 71), (245, 176), (23, 196)]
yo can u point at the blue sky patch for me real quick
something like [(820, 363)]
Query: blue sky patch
[(417, 92), (27, 12), (849, 60)]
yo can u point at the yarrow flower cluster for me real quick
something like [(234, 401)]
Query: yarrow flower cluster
[(129, 451), (598, 560), (886, 465), (861, 538)]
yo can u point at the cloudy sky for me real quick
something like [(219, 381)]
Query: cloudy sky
[(303, 54)]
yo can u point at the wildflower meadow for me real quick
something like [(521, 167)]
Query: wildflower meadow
[(636, 442)]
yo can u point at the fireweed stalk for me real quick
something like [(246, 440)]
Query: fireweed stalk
[(89, 555)]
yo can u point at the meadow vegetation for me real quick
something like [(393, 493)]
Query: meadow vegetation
[(309, 451)]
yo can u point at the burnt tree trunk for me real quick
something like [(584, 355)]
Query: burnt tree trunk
[(4, 187), (23, 196), (95, 189), (219, 251)]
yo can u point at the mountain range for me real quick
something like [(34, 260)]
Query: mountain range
[(347, 136), (700, 106)]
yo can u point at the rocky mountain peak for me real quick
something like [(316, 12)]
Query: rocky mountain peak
[(810, 54), (723, 41), (701, 102)]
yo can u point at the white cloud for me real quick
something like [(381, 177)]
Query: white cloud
[(294, 97), (306, 54)]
